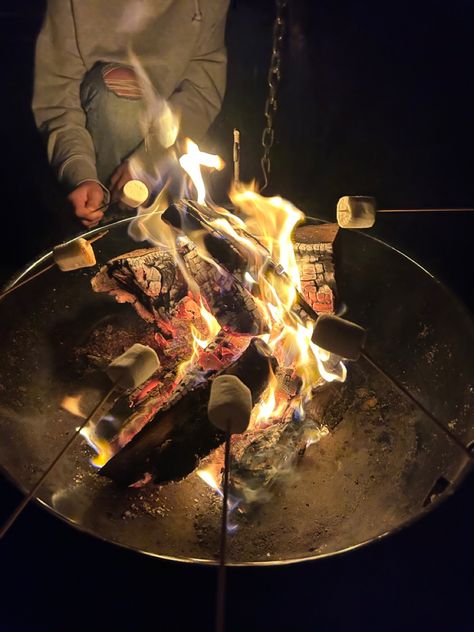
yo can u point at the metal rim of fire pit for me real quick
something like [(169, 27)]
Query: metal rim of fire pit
[(462, 471)]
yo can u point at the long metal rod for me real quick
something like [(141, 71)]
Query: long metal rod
[(406, 393), (426, 210), (236, 156), (22, 506), (221, 579), (43, 270)]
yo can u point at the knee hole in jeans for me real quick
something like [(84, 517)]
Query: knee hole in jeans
[(123, 82)]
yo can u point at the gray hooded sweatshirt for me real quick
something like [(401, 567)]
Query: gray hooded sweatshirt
[(179, 43)]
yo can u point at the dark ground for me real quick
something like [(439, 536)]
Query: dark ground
[(377, 99)]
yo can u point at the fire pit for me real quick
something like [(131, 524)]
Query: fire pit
[(381, 464)]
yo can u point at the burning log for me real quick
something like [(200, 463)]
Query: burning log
[(180, 434), (151, 280), (232, 305), (314, 252)]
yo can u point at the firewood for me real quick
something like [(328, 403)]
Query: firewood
[(171, 445), (314, 252)]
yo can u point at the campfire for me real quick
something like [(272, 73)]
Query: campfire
[(232, 293), (219, 292)]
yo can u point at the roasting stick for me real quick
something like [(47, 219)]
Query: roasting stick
[(236, 156), (360, 211), (85, 262), (127, 371), (229, 410), (425, 210), (221, 580), (347, 340), (78, 253)]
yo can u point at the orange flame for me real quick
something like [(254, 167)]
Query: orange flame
[(192, 161)]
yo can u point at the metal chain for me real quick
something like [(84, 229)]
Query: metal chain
[(273, 80)]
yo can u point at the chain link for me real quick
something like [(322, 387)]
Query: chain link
[(273, 81)]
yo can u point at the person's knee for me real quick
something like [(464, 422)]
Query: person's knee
[(122, 81)]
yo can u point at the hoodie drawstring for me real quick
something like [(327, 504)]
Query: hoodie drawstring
[(197, 17)]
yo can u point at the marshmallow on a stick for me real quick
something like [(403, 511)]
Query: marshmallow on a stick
[(134, 193), (356, 211), (133, 367), (339, 336), (230, 404), (74, 255)]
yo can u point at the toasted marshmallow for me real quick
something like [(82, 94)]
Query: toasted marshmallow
[(133, 367), (339, 336), (74, 255), (134, 193), (230, 404), (356, 211)]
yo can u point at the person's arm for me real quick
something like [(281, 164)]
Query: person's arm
[(59, 71), (201, 91)]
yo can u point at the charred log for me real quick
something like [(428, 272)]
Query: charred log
[(314, 252), (231, 304), (172, 444), (148, 279)]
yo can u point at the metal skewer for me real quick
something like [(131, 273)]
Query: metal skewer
[(347, 340), (406, 393), (236, 156), (426, 210), (24, 503), (16, 286), (221, 580)]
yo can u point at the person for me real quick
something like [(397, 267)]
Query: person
[(95, 64)]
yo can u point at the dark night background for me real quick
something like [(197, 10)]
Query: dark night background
[(377, 98)]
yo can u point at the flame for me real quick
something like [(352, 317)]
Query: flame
[(262, 234), (103, 449), (261, 231), (199, 343), (209, 477), (72, 404), (192, 161)]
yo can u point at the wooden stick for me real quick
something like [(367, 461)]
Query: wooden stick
[(43, 270), (221, 581), (426, 210), (24, 503)]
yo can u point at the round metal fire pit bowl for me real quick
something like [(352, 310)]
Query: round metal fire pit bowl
[(381, 467)]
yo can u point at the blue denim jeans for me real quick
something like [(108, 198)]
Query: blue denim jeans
[(112, 121)]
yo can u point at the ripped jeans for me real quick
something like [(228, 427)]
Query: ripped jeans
[(112, 100)]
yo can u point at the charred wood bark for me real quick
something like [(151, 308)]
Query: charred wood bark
[(172, 444), (231, 304), (314, 252), (149, 279)]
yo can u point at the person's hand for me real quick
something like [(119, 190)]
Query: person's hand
[(119, 179), (86, 199)]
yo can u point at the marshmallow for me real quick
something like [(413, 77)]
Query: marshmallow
[(134, 193), (133, 367), (230, 404), (339, 336), (74, 255), (356, 211)]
